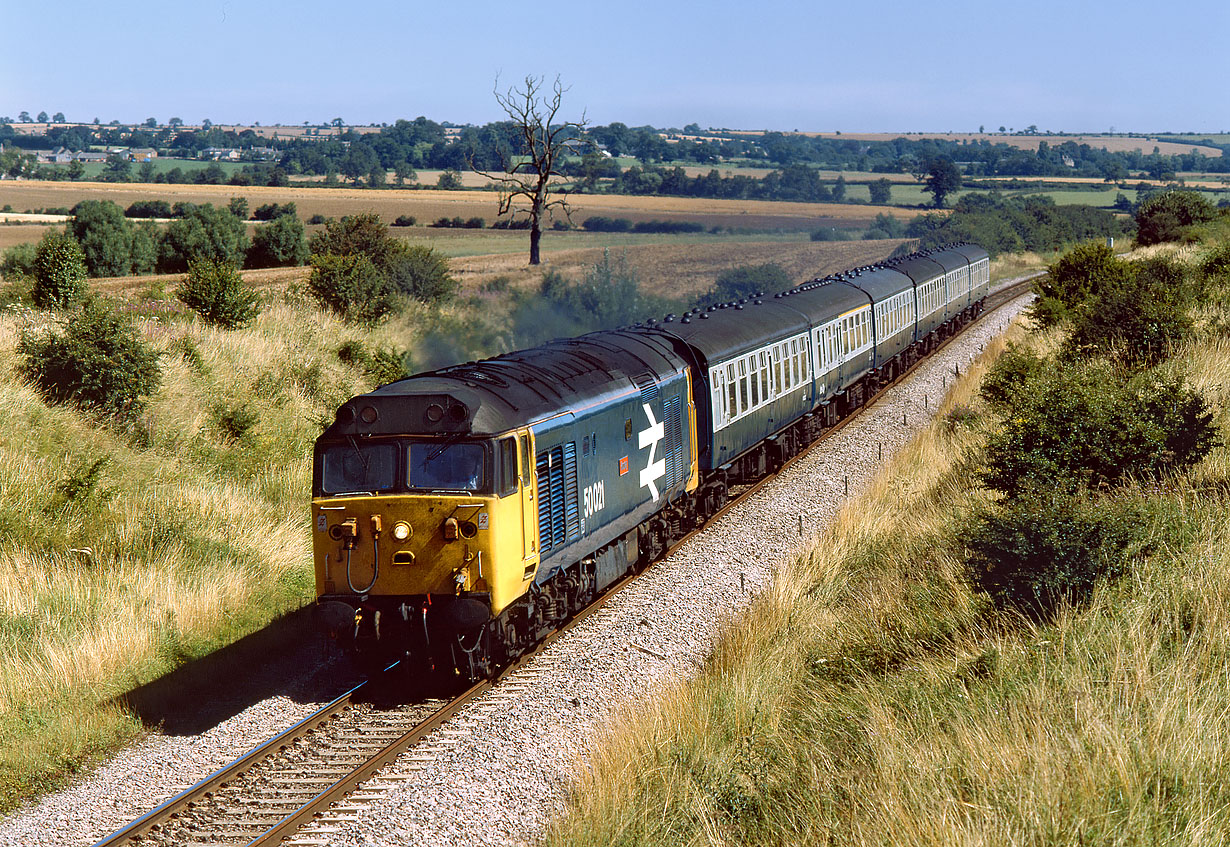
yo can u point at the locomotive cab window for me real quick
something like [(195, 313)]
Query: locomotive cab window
[(444, 466), (355, 468)]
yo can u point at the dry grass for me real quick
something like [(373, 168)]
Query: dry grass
[(869, 698)]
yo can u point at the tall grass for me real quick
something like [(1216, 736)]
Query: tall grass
[(870, 697), (124, 554)]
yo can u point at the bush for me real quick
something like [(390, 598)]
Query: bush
[(1075, 277), (278, 244), (105, 236), (352, 287), (1166, 215), (59, 272), (1047, 548), (1137, 319), (512, 223), (363, 234), (384, 365), (598, 223), (405, 220), (1011, 374), (273, 211), (234, 420), (420, 272), (216, 292), (204, 232), (148, 209), (317, 219), (832, 234), (18, 261), (746, 281), (98, 362), (1075, 426)]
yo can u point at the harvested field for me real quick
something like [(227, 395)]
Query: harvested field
[(428, 205)]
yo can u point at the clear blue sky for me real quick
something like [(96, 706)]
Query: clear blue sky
[(752, 64)]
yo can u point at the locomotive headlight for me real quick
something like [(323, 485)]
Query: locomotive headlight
[(401, 531)]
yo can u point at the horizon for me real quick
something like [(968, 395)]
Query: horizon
[(1091, 69)]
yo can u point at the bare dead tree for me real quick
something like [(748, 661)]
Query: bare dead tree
[(527, 174)]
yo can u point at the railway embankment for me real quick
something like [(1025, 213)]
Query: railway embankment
[(1016, 633)]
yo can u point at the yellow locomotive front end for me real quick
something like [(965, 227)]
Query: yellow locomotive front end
[(419, 542)]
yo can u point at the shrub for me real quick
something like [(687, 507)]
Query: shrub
[(832, 234), (1047, 548), (1074, 278), (364, 234), (1010, 375), (18, 261), (97, 362), (1165, 216), (384, 365), (317, 219), (216, 292), (1083, 426), (746, 281), (148, 209), (352, 287), (1137, 318), (405, 220), (234, 420), (273, 211), (278, 244), (204, 232), (59, 272), (420, 272), (598, 223)]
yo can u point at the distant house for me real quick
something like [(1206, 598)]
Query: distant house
[(220, 154), (143, 154), (58, 156), (86, 156)]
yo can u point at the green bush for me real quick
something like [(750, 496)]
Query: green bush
[(1068, 427), (1137, 318), (216, 292), (278, 244), (404, 220), (746, 281), (97, 362), (59, 272), (204, 232), (18, 261), (1010, 375), (1166, 215), (1075, 277), (420, 272), (1047, 548), (384, 365), (352, 287)]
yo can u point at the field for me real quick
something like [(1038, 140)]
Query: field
[(1111, 143)]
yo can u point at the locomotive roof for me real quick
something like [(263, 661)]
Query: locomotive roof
[(511, 390)]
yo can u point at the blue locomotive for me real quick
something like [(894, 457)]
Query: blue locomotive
[(460, 515)]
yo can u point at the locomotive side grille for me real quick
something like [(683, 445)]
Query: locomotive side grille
[(559, 513), (674, 441)]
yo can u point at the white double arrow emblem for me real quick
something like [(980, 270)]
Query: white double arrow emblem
[(650, 438)]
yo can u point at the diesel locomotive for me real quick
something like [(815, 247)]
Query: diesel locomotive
[(462, 514)]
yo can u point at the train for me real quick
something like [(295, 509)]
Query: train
[(462, 514)]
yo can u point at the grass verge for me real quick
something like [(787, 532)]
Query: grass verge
[(870, 697)]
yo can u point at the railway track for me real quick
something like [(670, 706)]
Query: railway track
[(324, 769)]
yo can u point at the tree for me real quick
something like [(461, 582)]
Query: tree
[(118, 169), (238, 207), (943, 178), (59, 272), (105, 236), (279, 243), (881, 192), (24, 116), (1165, 215), (58, 117), (42, 117), (449, 180), (175, 123), (204, 232), (544, 142), (151, 122)]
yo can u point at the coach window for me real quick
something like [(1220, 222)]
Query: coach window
[(742, 386), (777, 370), (764, 374)]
